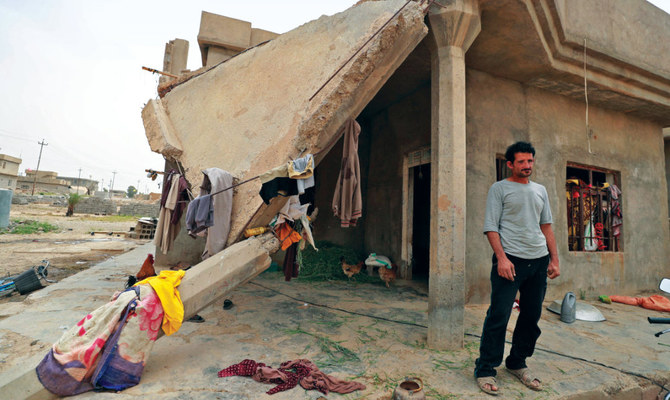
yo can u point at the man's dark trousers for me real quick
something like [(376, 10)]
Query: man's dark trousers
[(531, 283)]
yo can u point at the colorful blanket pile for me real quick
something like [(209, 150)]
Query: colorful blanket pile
[(108, 348)]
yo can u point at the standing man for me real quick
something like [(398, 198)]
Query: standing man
[(518, 227)]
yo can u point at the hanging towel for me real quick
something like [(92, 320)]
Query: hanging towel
[(222, 204), (347, 200), (166, 232), (199, 215), (165, 286), (302, 169)]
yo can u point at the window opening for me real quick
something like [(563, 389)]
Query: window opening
[(595, 220), (502, 172)]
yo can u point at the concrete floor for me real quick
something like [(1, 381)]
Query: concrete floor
[(362, 332)]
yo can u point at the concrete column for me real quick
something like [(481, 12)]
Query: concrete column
[(174, 58), (453, 29)]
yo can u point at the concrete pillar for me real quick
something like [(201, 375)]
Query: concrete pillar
[(175, 58), (453, 29)]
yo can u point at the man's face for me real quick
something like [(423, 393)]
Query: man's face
[(522, 166)]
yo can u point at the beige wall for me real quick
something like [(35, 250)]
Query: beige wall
[(501, 112)]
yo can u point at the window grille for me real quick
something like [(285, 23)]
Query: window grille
[(593, 209)]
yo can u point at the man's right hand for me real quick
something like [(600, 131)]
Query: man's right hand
[(506, 269)]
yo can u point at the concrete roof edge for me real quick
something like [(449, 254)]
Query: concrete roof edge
[(6, 157), (568, 56)]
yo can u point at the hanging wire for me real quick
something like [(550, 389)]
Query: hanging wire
[(586, 98), (359, 49)]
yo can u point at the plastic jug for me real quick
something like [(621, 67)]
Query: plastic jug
[(569, 308)]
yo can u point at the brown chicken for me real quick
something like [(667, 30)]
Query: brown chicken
[(388, 275), (351, 270), (147, 269)]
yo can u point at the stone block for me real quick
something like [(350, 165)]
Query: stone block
[(159, 130), (260, 36), (224, 31), (216, 54)]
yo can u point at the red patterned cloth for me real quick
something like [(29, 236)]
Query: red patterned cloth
[(289, 375)]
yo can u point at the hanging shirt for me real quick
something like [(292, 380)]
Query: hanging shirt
[(199, 215), (222, 206), (347, 199)]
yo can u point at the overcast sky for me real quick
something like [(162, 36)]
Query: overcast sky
[(71, 75)]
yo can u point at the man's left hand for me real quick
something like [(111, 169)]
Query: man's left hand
[(553, 270)]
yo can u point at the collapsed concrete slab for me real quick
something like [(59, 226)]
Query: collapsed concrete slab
[(265, 106)]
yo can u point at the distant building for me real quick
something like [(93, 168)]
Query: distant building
[(9, 171), (45, 182), (77, 185)]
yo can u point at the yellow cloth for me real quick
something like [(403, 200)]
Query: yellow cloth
[(165, 286), (306, 173), (279, 172)]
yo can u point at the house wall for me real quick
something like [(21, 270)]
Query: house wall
[(666, 142), (501, 112), (9, 170), (401, 128)]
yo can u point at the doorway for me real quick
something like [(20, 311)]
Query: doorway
[(420, 262), (415, 255)]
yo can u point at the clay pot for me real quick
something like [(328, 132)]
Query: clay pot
[(409, 389)]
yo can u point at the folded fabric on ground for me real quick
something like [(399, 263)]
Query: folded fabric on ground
[(655, 302), (108, 348), (289, 374)]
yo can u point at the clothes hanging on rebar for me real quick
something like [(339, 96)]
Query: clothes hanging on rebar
[(214, 181), (172, 206), (347, 199), (288, 179), (199, 215), (302, 169)]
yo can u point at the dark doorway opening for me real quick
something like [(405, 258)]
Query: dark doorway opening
[(421, 223)]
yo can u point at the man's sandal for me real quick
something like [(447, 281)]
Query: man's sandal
[(527, 378), (491, 382)]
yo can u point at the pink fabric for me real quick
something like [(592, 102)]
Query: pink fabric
[(289, 374)]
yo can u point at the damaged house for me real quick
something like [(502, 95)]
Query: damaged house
[(440, 91)]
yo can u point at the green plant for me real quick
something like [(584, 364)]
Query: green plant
[(326, 265), (71, 202), (27, 227)]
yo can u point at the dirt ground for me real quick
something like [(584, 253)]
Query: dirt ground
[(69, 249)]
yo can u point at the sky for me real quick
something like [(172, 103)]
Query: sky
[(72, 77)]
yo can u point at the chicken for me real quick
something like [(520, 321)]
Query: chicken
[(147, 269), (351, 270), (388, 274)]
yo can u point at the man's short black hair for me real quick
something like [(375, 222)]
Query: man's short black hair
[(519, 147)]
